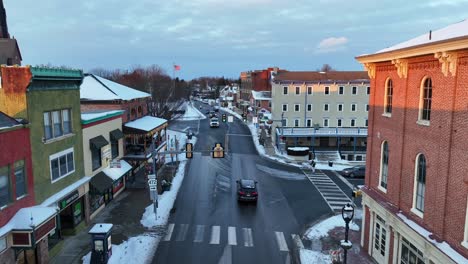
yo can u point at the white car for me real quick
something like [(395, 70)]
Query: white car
[(214, 122)]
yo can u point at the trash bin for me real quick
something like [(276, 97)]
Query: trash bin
[(330, 163)]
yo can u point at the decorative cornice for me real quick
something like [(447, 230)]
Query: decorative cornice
[(402, 67), (449, 62), (370, 68)]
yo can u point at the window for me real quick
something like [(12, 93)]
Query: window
[(285, 107), (285, 90), (57, 123), (426, 100), (309, 108), (96, 158), (339, 123), (327, 90), (140, 111), (128, 114), (285, 122), (367, 108), (368, 90), (61, 164), (297, 108), (380, 239), (410, 253), (298, 90), (340, 107), (5, 192), (353, 122), (296, 122), (354, 90), (353, 107), (420, 183), (388, 97), (309, 122), (20, 179), (133, 113), (269, 104), (325, 107), (367, 123), (383, 166), (325, 122), (309, 90), (341, 90)]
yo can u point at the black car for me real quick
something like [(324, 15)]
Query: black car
[(247, 190), (356, 171)]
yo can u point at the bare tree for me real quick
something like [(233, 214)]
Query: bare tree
[(326, 68)]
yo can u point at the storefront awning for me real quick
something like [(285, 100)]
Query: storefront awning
[(116, 173), (146, 124), (98, 142), (116, 134), (101, 182)]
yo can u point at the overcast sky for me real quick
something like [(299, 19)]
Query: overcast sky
[(219, 37)]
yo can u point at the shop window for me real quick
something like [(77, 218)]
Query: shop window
[(410, 254), (114, 148), (380, 239), (5, 189), (425, 101), (388, 97), (62, 164), (419, 185), (96, 158), (20, 179), (383, 167)]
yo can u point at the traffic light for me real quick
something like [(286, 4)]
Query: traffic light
[(244, 117), (218, 151), (188, 150), (224, 118)]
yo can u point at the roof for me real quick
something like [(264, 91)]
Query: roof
[(261, 95), (96, 88), (100, 228), (98, 142), (90, 117), (101, 182), (116, 173), (322, 131), (146, 123), (7, 121), (64, 192), (452, 31), (322, 76), (28, 218), (9, 49)]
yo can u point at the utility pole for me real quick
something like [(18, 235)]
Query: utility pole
[(153, 180)]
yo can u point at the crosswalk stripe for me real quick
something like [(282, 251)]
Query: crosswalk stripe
[(182, 232), (232, 239), (170, 228), (215, 232), (199, 232), (297, 240), (281, 241), (248, 240)]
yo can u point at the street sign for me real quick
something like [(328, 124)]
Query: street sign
[(152, 182), (115, 164), (230, 119), (151, 176)]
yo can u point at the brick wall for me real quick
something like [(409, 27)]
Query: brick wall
[(128, 106)]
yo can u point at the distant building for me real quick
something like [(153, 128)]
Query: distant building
[(258, 80), (415, 199), (9, 50), (325, 111)]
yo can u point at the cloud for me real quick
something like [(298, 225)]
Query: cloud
[(331, 44)]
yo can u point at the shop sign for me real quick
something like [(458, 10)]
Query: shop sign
[(106, 152), (44, 229), (69, 199), (115, 164)]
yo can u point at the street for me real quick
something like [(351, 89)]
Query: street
[(208, 225)]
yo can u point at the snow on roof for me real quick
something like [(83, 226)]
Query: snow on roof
[(56, 197), (116, 173), (98, 88), (309, 131), (444, 247), (262, 95), (100, 228), (93, 115), (28, 218), (456, 30), (298, 148), (146, 123)]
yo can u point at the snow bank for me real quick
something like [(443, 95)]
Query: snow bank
[(321, 229), (192, 113), (314, 257)]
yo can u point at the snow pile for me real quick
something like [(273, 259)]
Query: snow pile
[(192, 113), (315, 257), (138, 249), (321, 229), (231, 112), (298, 148)]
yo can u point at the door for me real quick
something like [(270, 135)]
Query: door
[(380, 240)]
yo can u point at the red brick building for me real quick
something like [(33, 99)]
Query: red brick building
[(259, 80), (416, 187)]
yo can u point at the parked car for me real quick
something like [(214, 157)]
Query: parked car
[(214, 122), (356, 171), (247, 190)]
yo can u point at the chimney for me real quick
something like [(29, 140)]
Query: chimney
[(430, 34)]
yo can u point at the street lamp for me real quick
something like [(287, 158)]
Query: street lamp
[(347, 212)]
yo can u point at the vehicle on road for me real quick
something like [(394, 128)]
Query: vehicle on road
[(214, 122), (247, 190), (216, 108), (212, 113), (356, 171)]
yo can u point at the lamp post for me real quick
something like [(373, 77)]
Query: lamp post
[(347, 212)]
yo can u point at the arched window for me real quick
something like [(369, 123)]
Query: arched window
[(425, 100), (420, 183), (140, 111), (383, 166), (388, 97), (133, 114)]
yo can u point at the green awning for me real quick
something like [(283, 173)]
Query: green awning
[(101, 182), (116, 134), (98, 142)]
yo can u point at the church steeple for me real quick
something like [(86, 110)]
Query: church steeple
[(3, 22)]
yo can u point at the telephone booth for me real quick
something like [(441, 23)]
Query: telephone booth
[(101, 242)]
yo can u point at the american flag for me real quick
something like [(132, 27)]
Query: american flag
[(176, 67)]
